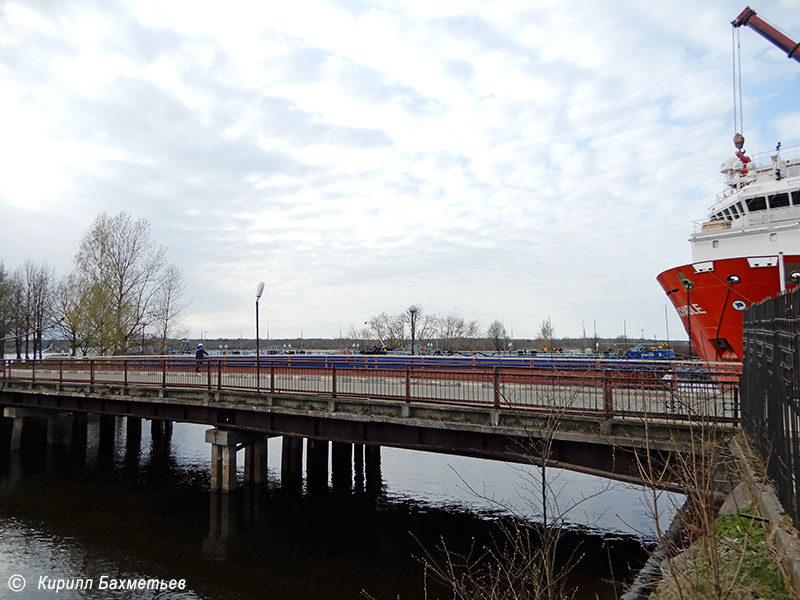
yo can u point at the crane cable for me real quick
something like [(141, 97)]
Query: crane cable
[(736, 55)]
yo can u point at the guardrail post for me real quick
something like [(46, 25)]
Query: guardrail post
[(33, 370), (91, 371), (333, 379), (208, 374), (60, 371), (163, 374), (408, 383), (219, 374), (496, 386), (272, 377), (608, 395), (125, 373)]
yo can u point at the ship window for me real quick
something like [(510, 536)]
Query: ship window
[(779, 200), (773, 237), (715, 244), (740, 208), (727, 214), (796, 197), (757, 203)]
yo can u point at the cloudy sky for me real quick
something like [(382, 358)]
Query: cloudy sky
[(507, 160)]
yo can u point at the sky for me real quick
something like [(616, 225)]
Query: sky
[(507, 160)]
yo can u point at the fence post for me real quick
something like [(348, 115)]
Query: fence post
[(333, 379), (125, 373), (33, 370), (272, 377), (496, 385), (60, 370), (219, 374), (91, 371), (208, 374), (163, 374), (608, 395), (408, 383)]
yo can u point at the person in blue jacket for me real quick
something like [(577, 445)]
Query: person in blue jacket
[(198, 355)]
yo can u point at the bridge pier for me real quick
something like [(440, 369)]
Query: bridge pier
[(342, 466), (19, 417), (292, 462), (224, 445), (221, 525), (317, 464), (372, 460)]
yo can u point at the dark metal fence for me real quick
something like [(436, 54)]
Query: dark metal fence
[(771, 392)]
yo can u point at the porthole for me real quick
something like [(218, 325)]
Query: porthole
[(734, 279)]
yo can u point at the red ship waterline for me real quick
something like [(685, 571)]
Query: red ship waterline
[(748, 249)]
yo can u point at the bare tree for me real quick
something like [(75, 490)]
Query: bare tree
[(548, 333), (456, 333), (497, 335), (168, 306), (6, 307)]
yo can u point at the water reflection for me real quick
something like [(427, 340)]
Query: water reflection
[(131, 500)]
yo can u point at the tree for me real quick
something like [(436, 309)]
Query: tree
[(548, 333), (497, 335), (168, 306), (122, 272), (6, 307), (456, 333)]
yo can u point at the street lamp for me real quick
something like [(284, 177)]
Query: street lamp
[(259, 291), (412, 310)]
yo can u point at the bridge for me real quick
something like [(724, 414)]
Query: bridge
[(593, 418)]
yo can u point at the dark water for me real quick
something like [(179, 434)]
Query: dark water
[(126, 511)]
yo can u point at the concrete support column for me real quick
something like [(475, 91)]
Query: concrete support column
[(342, 466), (358, 467), (221, 526), (317, 464), (255, 462), (292, 463), (16, 433), (57, 427), (133, 426), (224, 444), (228, 473), (372, 461), (80, 424)]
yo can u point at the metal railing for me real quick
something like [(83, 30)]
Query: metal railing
[(659, 392), (771, 392)]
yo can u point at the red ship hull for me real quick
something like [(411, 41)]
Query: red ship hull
[(711, 303)]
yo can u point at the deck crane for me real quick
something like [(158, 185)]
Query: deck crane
[(748, 17)]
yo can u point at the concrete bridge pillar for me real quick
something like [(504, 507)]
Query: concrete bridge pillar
[(342, 466), (292, 462), (224, 445), (358, 467), (80, 424), (255, 461), (19, 416), (57, 428), (317, 464), (372, 460)]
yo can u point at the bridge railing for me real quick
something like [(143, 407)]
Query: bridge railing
[(660, 391)]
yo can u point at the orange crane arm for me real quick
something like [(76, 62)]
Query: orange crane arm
[(748, 17)]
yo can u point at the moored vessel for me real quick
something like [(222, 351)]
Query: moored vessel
[(748, 249)]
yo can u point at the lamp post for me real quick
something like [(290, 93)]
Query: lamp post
[(259, 291), (412, 310)]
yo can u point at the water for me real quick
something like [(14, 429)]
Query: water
[(144, 511)]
